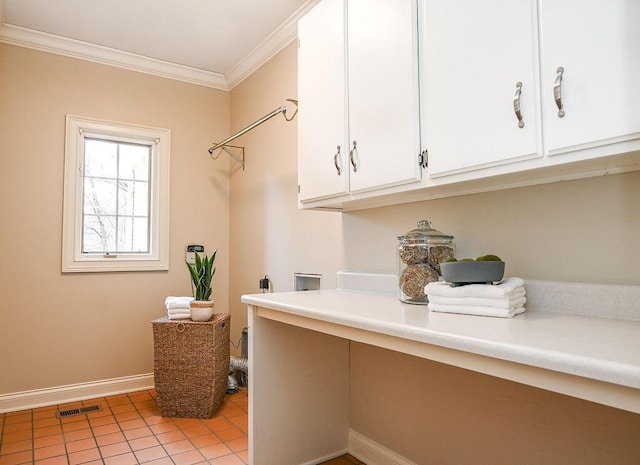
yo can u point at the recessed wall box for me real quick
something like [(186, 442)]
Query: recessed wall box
[(307, 281)]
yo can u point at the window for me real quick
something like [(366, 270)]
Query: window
[(116, 197)]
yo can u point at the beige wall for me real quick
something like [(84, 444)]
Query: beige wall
[(60, 329), (87, 327), (268, 234), (430, 412), (436, 414), (580, 231)]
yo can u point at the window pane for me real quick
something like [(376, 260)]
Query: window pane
[(99, 196), (116, 197), (100, 158), (133, 198), (134, 162), (99, 234), (133, 235)]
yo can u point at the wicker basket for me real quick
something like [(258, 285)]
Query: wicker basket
[(191, 365)]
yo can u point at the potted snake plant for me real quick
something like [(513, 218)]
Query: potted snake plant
[(201, 308)]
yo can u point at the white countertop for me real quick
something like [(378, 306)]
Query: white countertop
[(595, 348)]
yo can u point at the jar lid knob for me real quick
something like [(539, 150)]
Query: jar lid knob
[(424, 224)]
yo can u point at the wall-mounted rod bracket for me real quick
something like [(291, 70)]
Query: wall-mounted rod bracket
[(237, 157), (225, 143)]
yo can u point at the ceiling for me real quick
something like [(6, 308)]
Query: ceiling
[(216, 43)]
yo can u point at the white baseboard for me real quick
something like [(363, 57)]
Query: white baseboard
[(74, 392), (372, 453)]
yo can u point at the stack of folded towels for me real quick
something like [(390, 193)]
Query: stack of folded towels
[(504, 300), (178, 307)]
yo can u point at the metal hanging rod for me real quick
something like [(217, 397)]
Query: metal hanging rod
[(225, 143)]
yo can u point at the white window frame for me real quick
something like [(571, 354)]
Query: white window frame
[(73, 260)]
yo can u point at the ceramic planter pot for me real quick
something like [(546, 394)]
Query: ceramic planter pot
[(201, 310)]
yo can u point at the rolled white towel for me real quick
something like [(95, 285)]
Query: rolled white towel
[(172, 302), (476, 310), (179, 316), (504, 302), (508, 288)]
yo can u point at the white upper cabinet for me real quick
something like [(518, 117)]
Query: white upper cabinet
[(358, 94), (383, 92), (475, 53), (323, 169), (597, 45), (478, 68), (493, 75)]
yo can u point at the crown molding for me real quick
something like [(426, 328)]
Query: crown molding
[(286, 33), (261, 54), (22, 37)]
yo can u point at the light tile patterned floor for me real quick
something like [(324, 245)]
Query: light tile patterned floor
[(129, 430)]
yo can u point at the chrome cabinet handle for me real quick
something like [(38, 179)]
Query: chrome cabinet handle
[(335, 160), (557, 91), (352, 158), (516, 104)]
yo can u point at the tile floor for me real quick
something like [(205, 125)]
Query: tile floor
[(129, 430), (344, 460)]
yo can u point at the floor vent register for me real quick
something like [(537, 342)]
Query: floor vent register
[(78, 411)]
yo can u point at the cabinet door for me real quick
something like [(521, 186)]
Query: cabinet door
[(597, 43), (322, 138), (383, 93), (473, 54)]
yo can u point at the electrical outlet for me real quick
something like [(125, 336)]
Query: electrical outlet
[(191, 253)]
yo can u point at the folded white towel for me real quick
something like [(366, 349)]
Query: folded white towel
[(178, 306), (179, 316), (176, 311), (505, 302), (510, 287), (476, 310), (172, 302), (172, 298)]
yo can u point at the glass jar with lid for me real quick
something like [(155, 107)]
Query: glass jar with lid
[(420, 253)]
